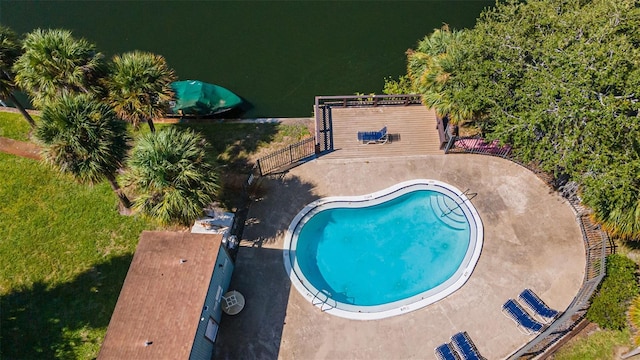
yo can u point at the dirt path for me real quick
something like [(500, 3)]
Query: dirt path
[(20, 148)]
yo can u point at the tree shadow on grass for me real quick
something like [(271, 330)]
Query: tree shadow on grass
[(232, 144), (43, 322)]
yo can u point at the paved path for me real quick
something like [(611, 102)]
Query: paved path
[(531, 239)]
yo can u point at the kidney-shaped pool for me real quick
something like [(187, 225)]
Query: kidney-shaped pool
[(386, 253)]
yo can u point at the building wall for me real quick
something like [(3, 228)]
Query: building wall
[(202, 347)]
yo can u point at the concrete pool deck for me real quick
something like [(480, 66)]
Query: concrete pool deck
[(531, 239)]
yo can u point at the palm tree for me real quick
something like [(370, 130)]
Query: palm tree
[(10, 50), (85, 138), (139, 87), (634, 319), (170, 171), (432, 67), (423, 60), (54, 63), (614, 196), (623, 220)]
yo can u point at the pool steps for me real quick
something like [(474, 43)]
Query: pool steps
[(452, 214), (321, 303)]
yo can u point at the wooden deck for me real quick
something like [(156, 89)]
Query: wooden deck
[(412, 131)]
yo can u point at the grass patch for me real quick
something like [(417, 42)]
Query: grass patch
[(288, 134), (14, 126), (233, 143), (599, 345), (70, 251)]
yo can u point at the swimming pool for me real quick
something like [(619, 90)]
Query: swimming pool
[(386, 253)]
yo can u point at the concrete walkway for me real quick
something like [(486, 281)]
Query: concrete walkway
[(531, 239)]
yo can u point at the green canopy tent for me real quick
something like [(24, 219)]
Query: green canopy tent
[(198, 98)]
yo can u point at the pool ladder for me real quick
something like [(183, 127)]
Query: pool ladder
[(469, 195), (322, 303)]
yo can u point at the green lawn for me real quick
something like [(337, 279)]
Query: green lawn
[(235, 143), (14, 126), (600, 345), (66, 250)]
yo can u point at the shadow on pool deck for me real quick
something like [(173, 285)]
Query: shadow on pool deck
[(255, 333), (260, 275), (531, 239)]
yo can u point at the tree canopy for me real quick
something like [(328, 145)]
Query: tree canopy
[(84, 138), (54, 63), (139, 86), (10, 50), (172, 175), (558, 80)]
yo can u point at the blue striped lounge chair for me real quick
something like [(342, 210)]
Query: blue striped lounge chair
[(373, 137), (536, 304), (465, 346), (522, 318), (446, 352)]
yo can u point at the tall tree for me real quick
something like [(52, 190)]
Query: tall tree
[(170, 171), (10, 50), (139, 87), (85, 138), (558, 80), (54, 63), (434, 66)]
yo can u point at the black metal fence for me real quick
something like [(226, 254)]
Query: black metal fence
[(597, 245), (368, 100), (286, 157), (476, 145)]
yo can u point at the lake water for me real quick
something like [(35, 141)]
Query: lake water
[(277, 55)]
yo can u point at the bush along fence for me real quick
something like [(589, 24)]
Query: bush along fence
[(597, 244)]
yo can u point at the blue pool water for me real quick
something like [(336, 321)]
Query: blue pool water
[(383, 253)]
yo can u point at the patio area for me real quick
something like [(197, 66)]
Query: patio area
[(531, 240)]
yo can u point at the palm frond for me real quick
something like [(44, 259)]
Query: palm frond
[(54, 64), (82, 137), (170, 171), (139, 86)]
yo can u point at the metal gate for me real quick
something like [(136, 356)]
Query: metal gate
[(325, 129)]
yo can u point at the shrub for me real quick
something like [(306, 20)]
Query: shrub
[(634, 319), (609, 305), (400, 86)]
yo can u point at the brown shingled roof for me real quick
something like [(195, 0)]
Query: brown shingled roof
[(162, 297)]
